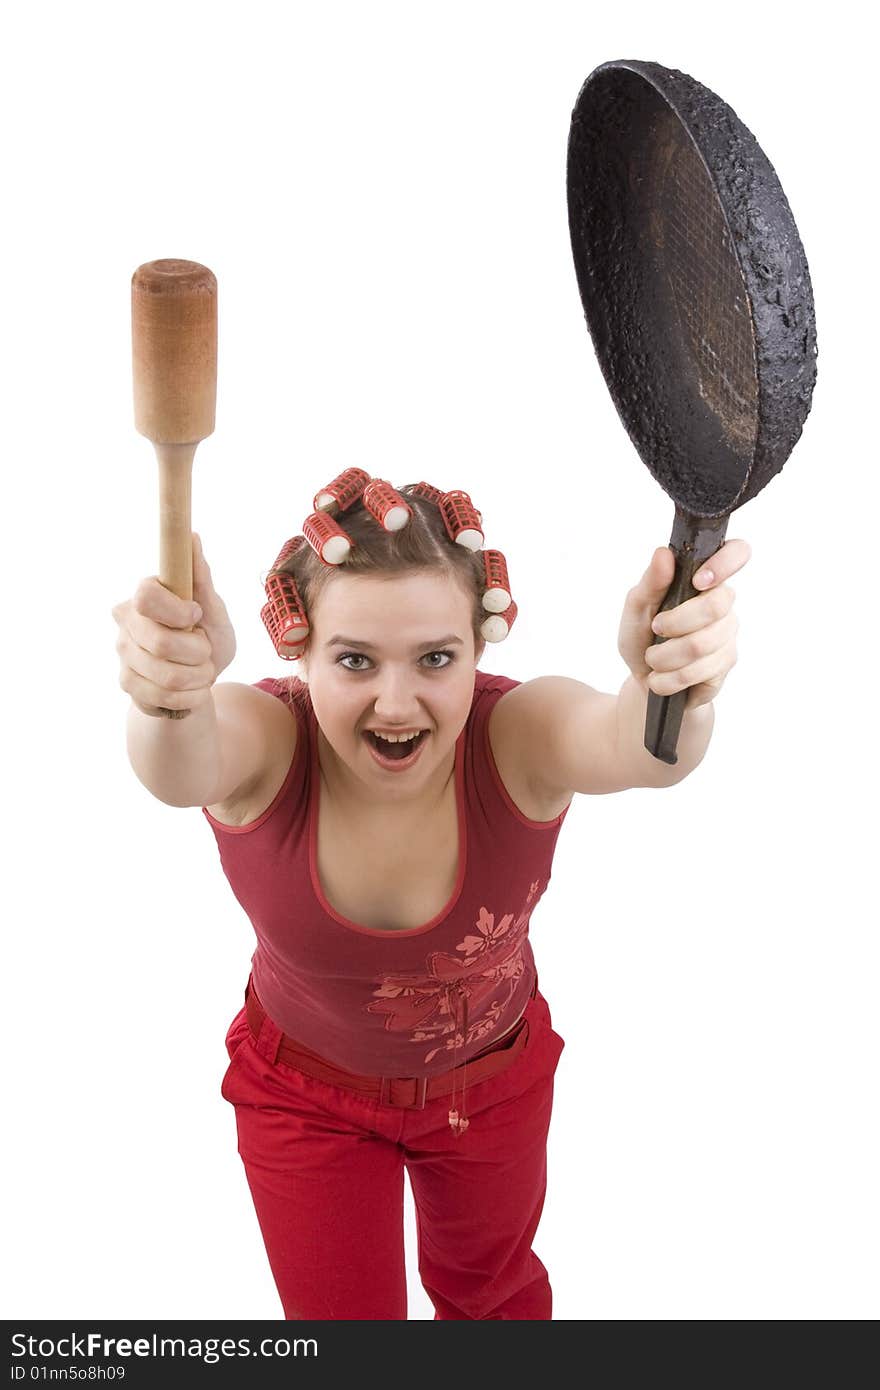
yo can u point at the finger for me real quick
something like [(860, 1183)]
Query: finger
[(153, 696), (706, 669), (167, 643), (678, 652), (644, 598), (659, 574), (695, 612), (204, 591), (198, 554), (154, 601), (725, 562), (170, 675)]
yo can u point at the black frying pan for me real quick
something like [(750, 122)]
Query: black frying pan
[(698, 299)]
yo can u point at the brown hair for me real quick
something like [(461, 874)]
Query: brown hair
[(423, 544)]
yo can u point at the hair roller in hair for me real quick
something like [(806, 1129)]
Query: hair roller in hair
[(288, 550), (342, 492), (496, 596), (284, 616), (327, 538), (497, 627), (433, 494), (462, 520), (386, 505)]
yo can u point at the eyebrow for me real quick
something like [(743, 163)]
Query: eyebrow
[(338, 641)]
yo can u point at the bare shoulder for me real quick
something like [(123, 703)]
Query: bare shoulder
[(561, 736), (517, 729), (259, 736)]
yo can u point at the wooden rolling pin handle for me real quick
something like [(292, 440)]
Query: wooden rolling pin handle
[(175, 528), (175, 517)]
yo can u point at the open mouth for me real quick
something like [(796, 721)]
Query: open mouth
[(388, 752)]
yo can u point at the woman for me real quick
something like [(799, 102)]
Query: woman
[(387, 819)]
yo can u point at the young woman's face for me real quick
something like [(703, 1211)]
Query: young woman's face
[(392, 654)]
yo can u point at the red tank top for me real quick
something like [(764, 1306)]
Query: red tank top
[(393, 1003)]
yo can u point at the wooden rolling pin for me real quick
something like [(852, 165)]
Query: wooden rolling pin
[(174, 364)]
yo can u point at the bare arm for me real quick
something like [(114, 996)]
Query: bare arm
[(178, 760), (221, 749), (577, 739), (641, 768), (584, 740)]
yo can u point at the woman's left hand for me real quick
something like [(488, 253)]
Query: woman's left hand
[(699, 646)]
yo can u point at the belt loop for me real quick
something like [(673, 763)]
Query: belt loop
[(270, 1035), (419, 1092), (269, 1041)]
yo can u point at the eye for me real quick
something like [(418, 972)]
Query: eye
[(359, 656)]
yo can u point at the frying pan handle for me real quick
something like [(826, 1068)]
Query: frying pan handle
[(693, 540)]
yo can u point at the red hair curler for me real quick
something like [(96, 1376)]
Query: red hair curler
[(433, 494), (288, 549), (461, 519), (344, 490), (284, 616), (496, 595), (386, 505), (497, 626), (327, 538)]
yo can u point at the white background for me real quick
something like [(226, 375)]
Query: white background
[(380, 190)]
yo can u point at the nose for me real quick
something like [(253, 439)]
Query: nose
[(394, 704)]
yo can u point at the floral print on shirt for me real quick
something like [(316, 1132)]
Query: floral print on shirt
[(486, 970)]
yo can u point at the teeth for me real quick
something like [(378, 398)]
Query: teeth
[(396, 738)]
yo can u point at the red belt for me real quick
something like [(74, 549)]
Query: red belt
[(408, 1091)]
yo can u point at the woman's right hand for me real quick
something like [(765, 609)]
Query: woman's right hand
[(164, 665)]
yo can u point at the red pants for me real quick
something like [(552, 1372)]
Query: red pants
[(325, 1168)]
